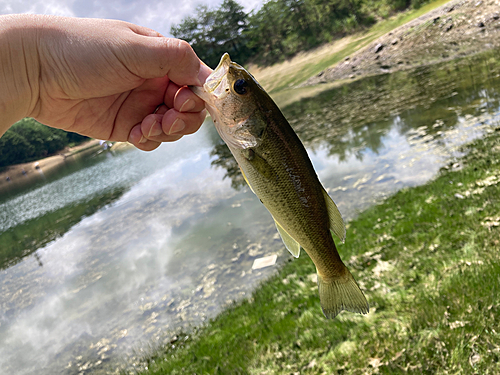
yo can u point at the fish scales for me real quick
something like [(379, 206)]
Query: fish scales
[(277, 168), (294, 189)]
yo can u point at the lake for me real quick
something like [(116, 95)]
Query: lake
[(102, 263)]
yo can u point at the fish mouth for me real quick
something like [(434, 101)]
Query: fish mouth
[(217, 78), (216, 86)]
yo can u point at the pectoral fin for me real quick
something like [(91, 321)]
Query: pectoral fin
[(259, 163), (292, 246), (337, 225)]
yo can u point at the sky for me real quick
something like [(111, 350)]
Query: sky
[(159, 15)]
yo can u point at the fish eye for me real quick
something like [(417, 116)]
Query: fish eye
[(240, 86)]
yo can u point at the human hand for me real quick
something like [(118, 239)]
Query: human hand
[(112, 80)]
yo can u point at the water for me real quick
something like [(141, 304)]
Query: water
[(143, 244)]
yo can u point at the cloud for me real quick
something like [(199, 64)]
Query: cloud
[(54, 7), (160, 16)]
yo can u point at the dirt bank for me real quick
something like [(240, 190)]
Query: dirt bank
[(25, 174), (456, 29), (20, 175)]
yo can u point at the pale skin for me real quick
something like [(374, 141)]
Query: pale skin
[(105, 79)]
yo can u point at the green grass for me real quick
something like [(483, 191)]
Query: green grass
[(428, 261)]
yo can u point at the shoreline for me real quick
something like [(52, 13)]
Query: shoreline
[(431, 276), (20, 176), (456, 29), (447, 30)]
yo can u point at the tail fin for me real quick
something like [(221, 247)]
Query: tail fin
[(339, 294)]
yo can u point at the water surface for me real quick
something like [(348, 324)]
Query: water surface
[(169, 241)]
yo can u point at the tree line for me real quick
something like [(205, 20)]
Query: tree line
[(29, 140), (279, 29)]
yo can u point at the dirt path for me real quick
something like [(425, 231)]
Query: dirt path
[(456, 29)]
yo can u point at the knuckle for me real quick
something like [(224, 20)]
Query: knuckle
[(182, 52)]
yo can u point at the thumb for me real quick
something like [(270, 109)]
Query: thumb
[(157, 56)]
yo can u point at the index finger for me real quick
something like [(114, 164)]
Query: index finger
[(170, 57)]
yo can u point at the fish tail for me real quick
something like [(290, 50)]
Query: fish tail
[(342, 293)]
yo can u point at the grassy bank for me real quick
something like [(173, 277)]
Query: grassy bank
[(428, 261), (282, 76)]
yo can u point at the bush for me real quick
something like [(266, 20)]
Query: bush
[(14, 147), (28, 140)]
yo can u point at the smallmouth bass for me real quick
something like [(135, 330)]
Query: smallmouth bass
[(276, 166)]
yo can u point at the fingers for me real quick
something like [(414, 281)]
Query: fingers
[(186, 101), (182, 112), (165, 128), (182, 99), (138, 140), (168, 127)]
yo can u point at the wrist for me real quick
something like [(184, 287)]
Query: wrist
[(19, 67)]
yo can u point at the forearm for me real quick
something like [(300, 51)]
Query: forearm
[(19, 67)]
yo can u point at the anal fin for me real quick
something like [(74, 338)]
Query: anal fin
[(337, 225)]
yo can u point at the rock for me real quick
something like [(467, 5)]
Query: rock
[(435, 19), (379, 47), (480, 24), (495, 16), (394, 42), (448, 28), (347, 58)]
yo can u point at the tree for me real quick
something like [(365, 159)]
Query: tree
[(211, 33), (28, 140), (14, 147)]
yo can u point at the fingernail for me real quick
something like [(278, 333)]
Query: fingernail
[(187, 106), (143, 139), (177, 126), (155, 129)]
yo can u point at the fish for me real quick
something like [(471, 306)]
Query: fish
[(277, 168)]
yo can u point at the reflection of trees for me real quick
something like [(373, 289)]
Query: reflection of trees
[(355, 117), (24, 239), (225, 159)]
